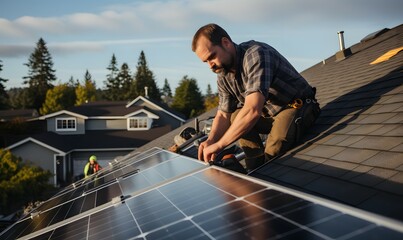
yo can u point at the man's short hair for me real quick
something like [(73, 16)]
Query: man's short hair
[(212, 32)]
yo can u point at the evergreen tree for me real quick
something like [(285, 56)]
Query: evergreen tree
[(87, 91), (58, 98), (209, 92), (167, 93), (3, 93), (40, 74), (144, 77), (188, 98), (125, 78), (113, 85), (19, 98), (210, 100)]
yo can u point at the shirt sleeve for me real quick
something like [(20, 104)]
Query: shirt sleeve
[(258, 71), (226, 101)]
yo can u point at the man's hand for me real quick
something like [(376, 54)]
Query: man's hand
[(213, 144), (207, 150), (201, 151)]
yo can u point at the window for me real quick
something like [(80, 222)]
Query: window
[(138, 123), (66, 124)]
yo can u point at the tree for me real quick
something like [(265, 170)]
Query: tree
[(20, 182), (188, 98), (58, 98), (87, 91), (166, 93), (210, 100), (126, 91), (19, 98), (40, 74), (144, 77), (3, 93), (112, 83)]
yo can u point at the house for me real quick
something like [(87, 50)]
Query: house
[(105, 129), (12, 114)]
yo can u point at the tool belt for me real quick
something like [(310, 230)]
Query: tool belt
[(299, 103), (308, 112)]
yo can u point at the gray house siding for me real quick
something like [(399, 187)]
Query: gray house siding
[(106, 124), (38, 155)]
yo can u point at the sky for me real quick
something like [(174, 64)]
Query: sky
[(83, 35)]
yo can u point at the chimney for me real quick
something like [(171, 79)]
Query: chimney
[(146, 92), (343, 53)]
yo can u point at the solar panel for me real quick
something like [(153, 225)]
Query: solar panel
[(185, 199)]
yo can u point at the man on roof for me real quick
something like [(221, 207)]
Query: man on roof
[(260, 92)]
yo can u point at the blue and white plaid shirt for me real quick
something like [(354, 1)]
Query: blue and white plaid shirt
[(262, 69)]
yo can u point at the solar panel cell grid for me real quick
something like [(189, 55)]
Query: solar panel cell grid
[(181, 199), (124, 226)]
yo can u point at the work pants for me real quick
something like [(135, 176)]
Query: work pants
[(284, 130)]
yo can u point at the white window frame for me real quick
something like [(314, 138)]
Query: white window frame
[(143, 120), (67, 129)]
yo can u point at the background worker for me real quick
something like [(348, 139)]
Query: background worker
[(92, 166)]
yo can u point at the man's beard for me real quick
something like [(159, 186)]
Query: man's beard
[(223, 69)]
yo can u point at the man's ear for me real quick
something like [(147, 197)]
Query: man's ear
[(225, 42)]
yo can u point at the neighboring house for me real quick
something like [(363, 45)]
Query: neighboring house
[(13, 114), (105, 129)]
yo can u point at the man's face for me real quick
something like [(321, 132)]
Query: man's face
[(217, 57)]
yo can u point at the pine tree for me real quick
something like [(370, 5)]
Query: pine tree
[(40, 74), (166, 93), (87, 91), (3, 93), (166, 90), (144, 77), (112, 83), (126, 80), (188, 98), (210, 100), (19, 98)]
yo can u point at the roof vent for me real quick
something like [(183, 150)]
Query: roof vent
[(146, 92), (343, 53), (341, 40)]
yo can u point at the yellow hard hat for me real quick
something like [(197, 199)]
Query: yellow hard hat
[(93, 157)]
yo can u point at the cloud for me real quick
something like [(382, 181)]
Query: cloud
[(12, 50), (159, 21), (160, 17), (68, 48)]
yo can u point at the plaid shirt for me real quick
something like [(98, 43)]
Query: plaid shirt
[(261, 69)]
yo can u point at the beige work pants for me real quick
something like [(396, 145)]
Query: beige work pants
[(283, 132)]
